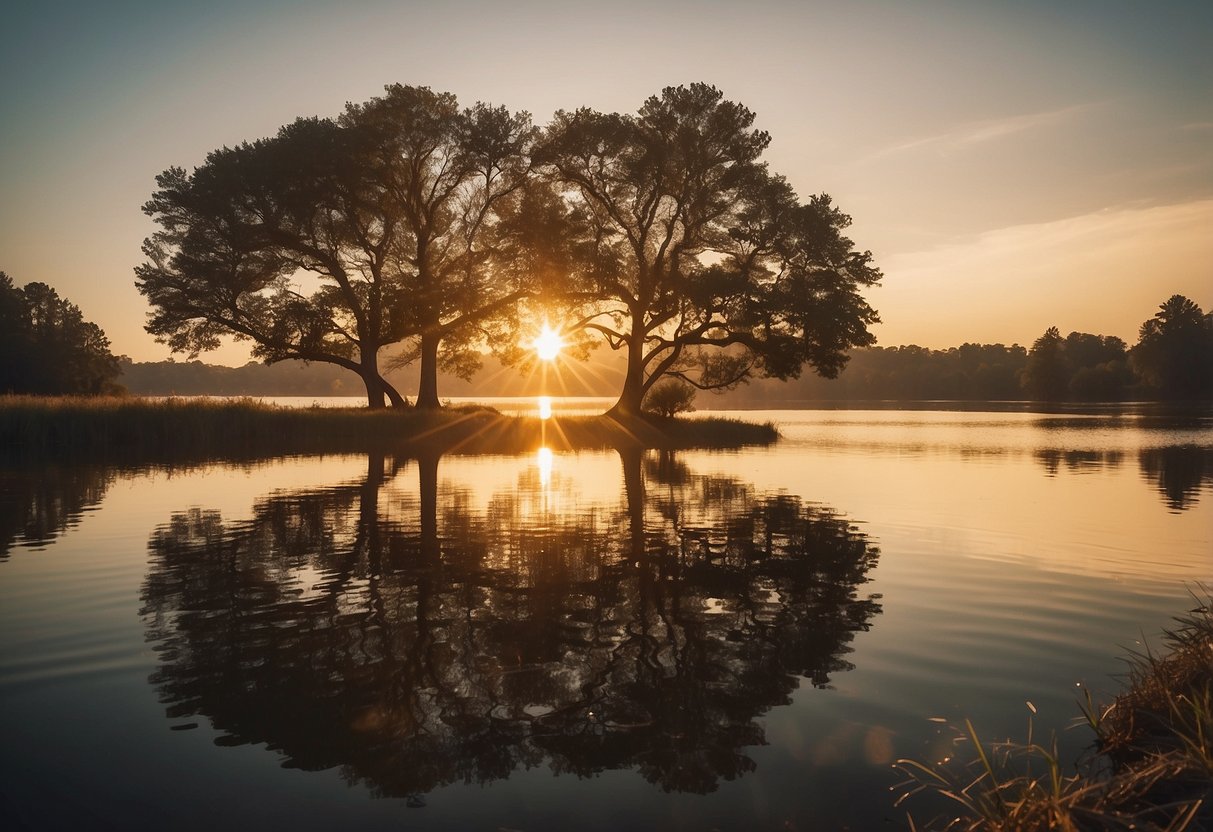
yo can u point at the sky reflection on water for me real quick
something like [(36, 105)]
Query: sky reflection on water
[(737, 639)]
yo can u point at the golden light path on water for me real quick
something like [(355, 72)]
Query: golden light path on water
[(547, 346), (973, 482), (543, 459)]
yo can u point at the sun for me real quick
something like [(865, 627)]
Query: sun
[(547, 344)]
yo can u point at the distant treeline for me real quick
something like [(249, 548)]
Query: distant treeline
[(194, 378), (1086, 368), (1077, 367), (47, 347), (599, 377), (1172, 360), (989, 372)]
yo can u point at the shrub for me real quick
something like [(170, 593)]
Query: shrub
[(670, 397)]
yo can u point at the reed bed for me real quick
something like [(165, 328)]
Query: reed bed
[(1152, 766), (175, 429)]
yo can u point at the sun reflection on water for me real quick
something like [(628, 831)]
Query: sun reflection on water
[(544, 460)]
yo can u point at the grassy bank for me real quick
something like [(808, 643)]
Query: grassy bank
[(1153, 763), (174, 429)]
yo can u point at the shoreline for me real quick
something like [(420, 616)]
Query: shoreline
[(180, 429)]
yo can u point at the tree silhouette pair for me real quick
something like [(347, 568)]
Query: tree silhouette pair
[(410, 223)]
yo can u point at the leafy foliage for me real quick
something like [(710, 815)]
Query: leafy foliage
[(336, 238), (698, 261), (670, 397), (1046, 375), (1080, 367), (1174, 353)]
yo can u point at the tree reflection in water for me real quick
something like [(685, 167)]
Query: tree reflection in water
[(1179, 472), (37, 505), (425, 642)]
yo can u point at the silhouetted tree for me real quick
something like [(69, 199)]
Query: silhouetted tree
[(1174, 352), (237, 231), (339, 237), (1100, 367), (1046, 377), (703, 265), (14, 336), (46, 346), (448, 171)]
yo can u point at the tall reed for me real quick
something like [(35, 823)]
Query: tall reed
[(1153, 763)]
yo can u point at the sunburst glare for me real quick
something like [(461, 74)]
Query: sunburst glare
[(547, 343)]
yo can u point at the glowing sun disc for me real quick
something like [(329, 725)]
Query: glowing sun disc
[(548, 343)]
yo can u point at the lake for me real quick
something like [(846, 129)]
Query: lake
[(600, 640)]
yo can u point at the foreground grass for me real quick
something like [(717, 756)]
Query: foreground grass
[(105, 428), (1153, 766)]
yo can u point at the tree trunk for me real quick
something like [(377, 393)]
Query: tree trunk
[(374, 393), (632, 395), (370, 377), (427, 394)]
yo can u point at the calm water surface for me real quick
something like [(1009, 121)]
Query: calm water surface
[(699, 640)]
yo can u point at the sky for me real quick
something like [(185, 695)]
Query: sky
[(1011, 165)]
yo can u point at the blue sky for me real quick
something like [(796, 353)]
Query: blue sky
[(1011, 165)]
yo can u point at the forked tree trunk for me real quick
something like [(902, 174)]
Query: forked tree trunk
[(631, 397), (393, 394), (369, 371)]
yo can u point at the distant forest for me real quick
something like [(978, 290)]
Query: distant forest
[(989, 372), (296, 378), (1173, 359)]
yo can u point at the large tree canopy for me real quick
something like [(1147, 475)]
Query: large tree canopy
[(337, 238), (411, 221), (700, 263), (46, 346)]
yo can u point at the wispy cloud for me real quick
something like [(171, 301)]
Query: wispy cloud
[(1104, 272), (978, 132)]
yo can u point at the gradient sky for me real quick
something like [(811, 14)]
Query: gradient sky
[(1011, 165)]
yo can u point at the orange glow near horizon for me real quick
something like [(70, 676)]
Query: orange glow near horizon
[(545, 407)]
